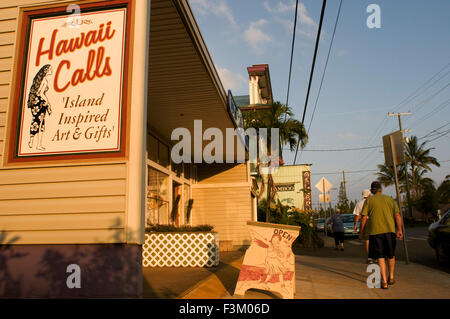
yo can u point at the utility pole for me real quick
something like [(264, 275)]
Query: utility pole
[(408, 194), (343, 180), (397, 189)]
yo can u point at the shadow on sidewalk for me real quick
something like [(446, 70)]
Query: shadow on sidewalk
[(227, 273), (341, 272)]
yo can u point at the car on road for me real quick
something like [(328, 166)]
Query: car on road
[(439, 237), (320, 224), (328, 226), (349, 222)]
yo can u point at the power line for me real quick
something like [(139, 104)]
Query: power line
[(442, 135), (417, 92), (437, 109), (342, 149), (324, 71), (351, 172), (424, 102), (292, 55), (322, 13), (435, 130), (414, 95)]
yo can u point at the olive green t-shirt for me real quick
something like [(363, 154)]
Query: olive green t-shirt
[(381, 210)]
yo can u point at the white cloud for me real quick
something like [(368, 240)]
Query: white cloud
[(306, 25), (255, 36), (217, 7), (232, 81), (304, 17), (281, 7)]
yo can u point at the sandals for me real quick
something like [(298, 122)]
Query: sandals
[(391, 281), (384, 285)]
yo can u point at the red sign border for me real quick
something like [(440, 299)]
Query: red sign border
[(15, 105)]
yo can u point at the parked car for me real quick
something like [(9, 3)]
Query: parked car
[(320, 224), (328, 226), (439, 237)]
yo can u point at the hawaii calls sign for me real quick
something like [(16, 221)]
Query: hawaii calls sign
[(71, 97)]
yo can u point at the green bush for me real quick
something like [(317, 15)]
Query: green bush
[(287, 215), (181, 229)]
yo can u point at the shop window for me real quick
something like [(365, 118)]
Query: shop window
[(158, 152), (187, 170), (187, 204), (157, 197), (163, 156), (152, 148), (177, 168)]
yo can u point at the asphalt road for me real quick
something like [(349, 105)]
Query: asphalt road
[(418, 249)]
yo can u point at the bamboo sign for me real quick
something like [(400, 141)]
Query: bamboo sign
[(269, 263)]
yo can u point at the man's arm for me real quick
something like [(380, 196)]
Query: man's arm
[(355, 225), (398, 221), (363, 225)]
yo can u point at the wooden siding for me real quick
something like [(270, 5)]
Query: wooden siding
[(222, 173), (76, 204), (227, 209), (70, 204)]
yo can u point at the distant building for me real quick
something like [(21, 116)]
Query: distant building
[(260, 89), (293, 186)]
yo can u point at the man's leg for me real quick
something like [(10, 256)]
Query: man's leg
[(382, 264), (391, 264), (367, 248)]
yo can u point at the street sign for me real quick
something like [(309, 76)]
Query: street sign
[(397, 137), (327, 198), (324, 185)]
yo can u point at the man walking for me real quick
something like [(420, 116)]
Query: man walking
[(337, 225), (384, 216), (357, 212)]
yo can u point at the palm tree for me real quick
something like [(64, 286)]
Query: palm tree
[(387, 178), (443, 191), (291, 131), (420, 161)]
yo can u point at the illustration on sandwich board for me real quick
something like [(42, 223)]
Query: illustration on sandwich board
[(269, 263)]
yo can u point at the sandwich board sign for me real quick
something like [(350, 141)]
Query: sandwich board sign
[(269, 263)]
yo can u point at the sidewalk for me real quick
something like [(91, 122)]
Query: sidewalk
[(193, 282), (333, 275), (320, 274)]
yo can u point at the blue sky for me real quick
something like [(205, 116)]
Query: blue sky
[(370, 71)]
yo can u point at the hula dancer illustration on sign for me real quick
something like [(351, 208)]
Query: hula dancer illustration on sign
[(269, 263), (39, 105), (275, 259)]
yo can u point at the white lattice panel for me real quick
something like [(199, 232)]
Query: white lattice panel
[(180, 250)]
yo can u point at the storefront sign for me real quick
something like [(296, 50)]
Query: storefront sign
[(269, 263), (285, 187), (71, 83), (306, 175)]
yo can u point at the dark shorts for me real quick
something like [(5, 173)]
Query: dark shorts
[(338, 237), (382, 245)]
